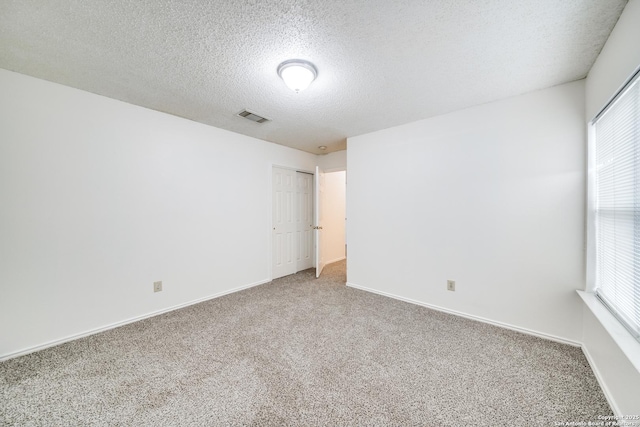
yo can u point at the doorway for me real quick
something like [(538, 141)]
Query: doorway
[(306, 234), (333, 203)]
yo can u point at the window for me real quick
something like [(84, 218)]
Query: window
[(615, 200)]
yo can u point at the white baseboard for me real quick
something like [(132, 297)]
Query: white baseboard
[(470, 316), (335, 260), (605, 390), (124, 322), (626, 342), (603, 385)]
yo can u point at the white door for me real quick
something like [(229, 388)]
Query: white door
[(284, 224), (319, 192), (304, 221)]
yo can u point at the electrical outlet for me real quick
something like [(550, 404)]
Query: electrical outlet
[(451, 285), (157, 286)]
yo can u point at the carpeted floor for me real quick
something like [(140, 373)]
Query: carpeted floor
[(301, 351)]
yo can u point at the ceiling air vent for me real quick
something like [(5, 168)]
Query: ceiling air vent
[(252, 116)]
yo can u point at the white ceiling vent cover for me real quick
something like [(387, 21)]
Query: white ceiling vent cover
[(253, 116)]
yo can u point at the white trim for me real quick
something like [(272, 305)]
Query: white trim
[(620, 335), (605, 390), (53, 343), (470, 316)]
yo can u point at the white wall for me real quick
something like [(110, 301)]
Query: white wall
[(336, 161), (491, 197), (618, 376), (619, 58), (100, 198), (333, 205)]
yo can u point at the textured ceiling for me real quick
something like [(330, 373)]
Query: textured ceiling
[(381, 63)]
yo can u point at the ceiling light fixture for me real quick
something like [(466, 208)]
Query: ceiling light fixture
[(322, 147), (297, 74)]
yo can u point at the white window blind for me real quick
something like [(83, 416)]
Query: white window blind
[(617, 206)]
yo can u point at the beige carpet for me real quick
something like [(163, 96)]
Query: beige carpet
[(301, 351)]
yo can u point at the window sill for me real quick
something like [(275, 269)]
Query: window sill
[(627, 343)]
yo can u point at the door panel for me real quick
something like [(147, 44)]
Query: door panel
[(304, 221), (284, 225), (319, 216)]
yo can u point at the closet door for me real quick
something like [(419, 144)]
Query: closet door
[(284, 222), (304, 221)]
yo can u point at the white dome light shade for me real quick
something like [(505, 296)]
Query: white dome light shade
[(297, 74)]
